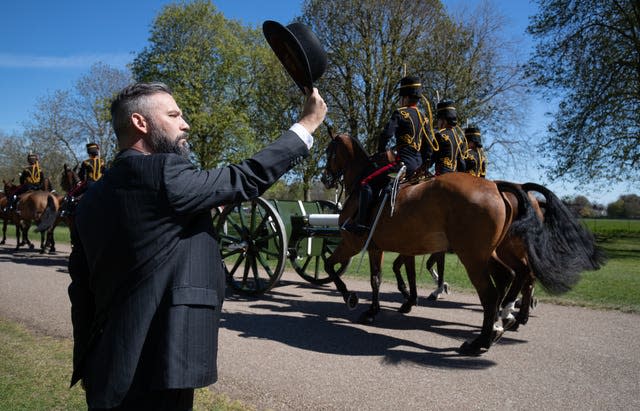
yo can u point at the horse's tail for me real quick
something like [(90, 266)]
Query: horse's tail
[(49, 215), (559, 248)]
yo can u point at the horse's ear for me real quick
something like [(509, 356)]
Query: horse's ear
[(330, 130)]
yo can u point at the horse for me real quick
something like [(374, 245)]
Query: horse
[(4, 214), (456, 211), (70, 183), (37, 206)]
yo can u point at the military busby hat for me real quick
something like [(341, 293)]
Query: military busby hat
[(410, 86), (299, 51), (32, 155), (446, 110), (472, 133), (92, 145)]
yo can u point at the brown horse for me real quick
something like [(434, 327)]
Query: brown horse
[(4, 214), (456, 211), (70, 183), (39, 207)]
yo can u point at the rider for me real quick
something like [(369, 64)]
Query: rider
[(31, 178), (91, 169), (476, 158), (450, 156), (410, 127)]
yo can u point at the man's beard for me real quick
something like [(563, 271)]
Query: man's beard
[(161, 143)]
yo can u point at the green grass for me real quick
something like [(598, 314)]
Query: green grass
[(35, 372), (614, 286), (60, 234)]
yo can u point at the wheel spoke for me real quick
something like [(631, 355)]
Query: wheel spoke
[(239, 261), (264, 265)]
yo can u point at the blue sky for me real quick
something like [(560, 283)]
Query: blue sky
[(47, 45)]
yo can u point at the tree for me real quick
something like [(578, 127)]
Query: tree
[(370, 43), (206, 60), (65, 120), (588, 56), (13, 156)]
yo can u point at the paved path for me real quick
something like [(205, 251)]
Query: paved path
[(298, 348)]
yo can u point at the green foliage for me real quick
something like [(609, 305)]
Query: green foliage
[(588, 54), (211, 64), (371, 42)]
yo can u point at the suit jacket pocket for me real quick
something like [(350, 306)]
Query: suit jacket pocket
[(194, 296)]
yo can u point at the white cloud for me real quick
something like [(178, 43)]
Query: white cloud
[(75, 61)]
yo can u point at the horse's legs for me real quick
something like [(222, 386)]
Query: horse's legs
[(437, 258), (509, 302), (411, 298), (397, 267), (4, 231), (51, 241), (528, 302), (375, 265), (481, 280), (341, 255)]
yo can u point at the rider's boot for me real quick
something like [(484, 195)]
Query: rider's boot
[(360, 227)]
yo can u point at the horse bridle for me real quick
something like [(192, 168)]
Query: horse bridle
[(331, 179)]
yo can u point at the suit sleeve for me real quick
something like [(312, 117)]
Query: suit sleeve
[(82, 300), (189, 189)]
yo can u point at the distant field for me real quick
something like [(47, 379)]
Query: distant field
[(611, 226)]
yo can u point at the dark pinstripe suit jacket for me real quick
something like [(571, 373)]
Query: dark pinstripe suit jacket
[(147, 279)]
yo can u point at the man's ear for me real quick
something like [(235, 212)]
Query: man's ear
[(139, 122)]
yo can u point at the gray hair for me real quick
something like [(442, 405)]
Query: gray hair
[(133, 99)]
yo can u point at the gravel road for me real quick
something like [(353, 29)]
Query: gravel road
[(299, 348)]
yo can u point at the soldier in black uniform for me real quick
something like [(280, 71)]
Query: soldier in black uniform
[(450, 156), (476, 159), (31, 178), (91, 169), (412, 144)]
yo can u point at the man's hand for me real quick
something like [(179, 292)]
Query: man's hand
[(313, 112)]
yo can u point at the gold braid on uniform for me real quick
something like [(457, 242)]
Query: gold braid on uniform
[(95, 172), (463, 145), (34, 174), (433, 140)]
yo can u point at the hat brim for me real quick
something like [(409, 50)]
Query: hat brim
[(290, 53)]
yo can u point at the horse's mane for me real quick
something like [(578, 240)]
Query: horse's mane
[(357, 143)]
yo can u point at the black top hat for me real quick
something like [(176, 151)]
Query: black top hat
[(410, 86), (299, 51), (446, 110), (472, 133)]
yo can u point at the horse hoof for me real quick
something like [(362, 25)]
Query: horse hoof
[(406, 307), (470, 348), (534, 303), (366, 318), (496, 334), (433, 297), (508, 322), (352, 300), (522, 319), (446, 288)]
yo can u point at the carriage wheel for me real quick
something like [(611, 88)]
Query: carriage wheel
[(311, 267), (252, 245)]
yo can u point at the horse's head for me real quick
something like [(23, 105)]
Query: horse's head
[(8, 186), (69, 178), (345, 157)]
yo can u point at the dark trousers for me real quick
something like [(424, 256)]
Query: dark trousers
[(160, 400)]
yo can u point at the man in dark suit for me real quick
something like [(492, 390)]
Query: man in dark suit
[(147, 291)]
